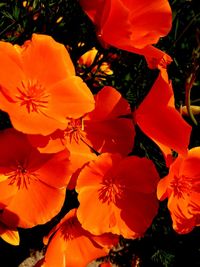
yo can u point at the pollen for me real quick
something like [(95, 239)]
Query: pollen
[(21, 177), (181, 185), (75, 130), (110, 191), (68, 229), (33, 96)]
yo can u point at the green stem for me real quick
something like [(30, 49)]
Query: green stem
[(188, 87)]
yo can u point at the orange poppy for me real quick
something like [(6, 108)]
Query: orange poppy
[(43, 89), (9, 235), (71, 245), (87, 59), (160, 121), (32, 185), (119, 193), (182, 188), (131, 25), (106, 129)]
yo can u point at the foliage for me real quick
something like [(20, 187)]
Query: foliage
[(65, 21)]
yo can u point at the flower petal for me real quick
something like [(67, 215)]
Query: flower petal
[(35, 205), (70, 97), (109, 104), (105, 136), (154, 110), (52, 62), (111, 184), (10, 236), (71, 245)]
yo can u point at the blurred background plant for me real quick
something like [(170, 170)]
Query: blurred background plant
[(65, 21)]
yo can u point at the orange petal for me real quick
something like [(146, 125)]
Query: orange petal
[(10, 63), (111, 184), (71, 245), (10, 236), (80, 154), (103, 123), (136, 177), (142, 20), (190, 165), (94, 9), (109, 104), (149, 21), (106, 136), (182, 225), (194, 204), (183, 220), (138, 218), (132, 21), (87, 58), (140, 180), (6, 192), (55, 171), (31, 178), (52, 62), (52, 143), (40, 96), (35, 205), (178, 206), (13, 52), (162, 187), (161, 122), (32, 123), (137, 23), (70, 97)]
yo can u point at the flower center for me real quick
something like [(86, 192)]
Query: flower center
[(110, 191), (75, 130), (68, 229), (33, 96), (181, 185), (21, 177)]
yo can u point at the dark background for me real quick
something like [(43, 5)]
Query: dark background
[(161, 246)]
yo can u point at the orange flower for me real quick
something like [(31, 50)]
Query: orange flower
[(43, 89), (87, 59), (9, 235), (120, 195), (106, 129), (131, 25), (182, 188), (72, 246), (32, 185), (160, 121)]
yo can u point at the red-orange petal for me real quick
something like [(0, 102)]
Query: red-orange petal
[(103, 123), (111, 183), (106, 136), (160, 121), (71, 245), (33, 184), (137, 23), (109, 104)]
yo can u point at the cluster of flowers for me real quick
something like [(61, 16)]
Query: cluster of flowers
[(63, 137)]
